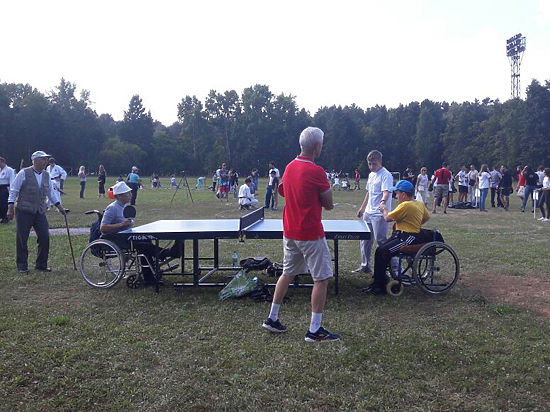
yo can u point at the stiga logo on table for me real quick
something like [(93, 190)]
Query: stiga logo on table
[(141, 237)]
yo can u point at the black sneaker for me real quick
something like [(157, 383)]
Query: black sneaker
[(274, 326), (322, 335)]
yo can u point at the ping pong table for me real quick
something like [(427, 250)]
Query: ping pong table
[(250, 226)]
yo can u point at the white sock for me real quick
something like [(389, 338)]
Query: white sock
[(315, 324), (274, 313)]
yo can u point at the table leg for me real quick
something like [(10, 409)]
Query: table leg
[(216, 250), (336, 266), (196, 267)]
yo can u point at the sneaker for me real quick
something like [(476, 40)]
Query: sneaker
[(375, 290), (542, 218), (322, 335), (362, 269), (274, 326), (546, 219)]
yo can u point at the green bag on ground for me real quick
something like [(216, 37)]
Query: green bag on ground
[(241, 285)]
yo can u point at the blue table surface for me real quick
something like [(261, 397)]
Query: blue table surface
[(232, 225)]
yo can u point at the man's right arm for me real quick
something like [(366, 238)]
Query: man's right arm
[(15, 187)]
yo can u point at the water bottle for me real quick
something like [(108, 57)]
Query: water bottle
[(235, 258)]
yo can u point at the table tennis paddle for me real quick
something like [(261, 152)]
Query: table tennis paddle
[(129, 212)]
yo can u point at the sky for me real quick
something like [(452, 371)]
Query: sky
[(325, 53)]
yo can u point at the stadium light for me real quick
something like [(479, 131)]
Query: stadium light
[(515, 46)]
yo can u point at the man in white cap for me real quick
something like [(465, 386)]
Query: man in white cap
[(114, 221), (31, 187), (7, 175)]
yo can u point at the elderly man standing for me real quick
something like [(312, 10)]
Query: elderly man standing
[(30, 188), (306, 191), (379, 183), (7, 175)]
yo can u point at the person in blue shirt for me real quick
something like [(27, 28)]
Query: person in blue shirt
[(133, 181)]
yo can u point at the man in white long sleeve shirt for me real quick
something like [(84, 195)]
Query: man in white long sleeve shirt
[(30, 188), (246, 198), (7, 175)]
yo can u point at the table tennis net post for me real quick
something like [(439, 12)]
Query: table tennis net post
[(251, 218)]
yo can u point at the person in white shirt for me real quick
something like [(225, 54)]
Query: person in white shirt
[(246, 198), (336, 183), (484, 177), (54, 169), (30, 188), (422, 184), (7, 176), (544, 196), (379, 182), (472, 185), (462, 177)]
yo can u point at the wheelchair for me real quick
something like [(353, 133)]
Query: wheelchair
[(103, 263), (431, 266)]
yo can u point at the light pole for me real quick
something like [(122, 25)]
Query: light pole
[(515, 46)]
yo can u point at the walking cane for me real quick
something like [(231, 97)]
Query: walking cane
[(70, 241)]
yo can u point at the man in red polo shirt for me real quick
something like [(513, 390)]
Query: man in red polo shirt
[(306, 191), (441, 187)]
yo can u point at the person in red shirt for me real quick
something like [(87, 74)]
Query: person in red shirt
[(306, 191), (441, 187)]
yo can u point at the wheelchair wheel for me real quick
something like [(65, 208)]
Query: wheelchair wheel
[(102, 264), (394, 288), (436, 268)]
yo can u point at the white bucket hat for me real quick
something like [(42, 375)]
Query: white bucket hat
[(121, 188), (38, 154)]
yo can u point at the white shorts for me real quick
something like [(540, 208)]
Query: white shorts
[(301, 255)]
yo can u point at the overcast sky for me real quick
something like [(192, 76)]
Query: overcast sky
[(323, 52)]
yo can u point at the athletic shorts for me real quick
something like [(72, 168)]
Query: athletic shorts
[(462, 189), (505, 191), (224, 188), (301, 255), (441, 190)]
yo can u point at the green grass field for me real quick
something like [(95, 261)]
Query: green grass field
[(65, 345)]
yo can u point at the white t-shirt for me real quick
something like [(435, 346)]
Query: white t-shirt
[(541, 177), (546, 182), (377, 183), (336, 180), (463, 178), (484, 178), (422, 182)]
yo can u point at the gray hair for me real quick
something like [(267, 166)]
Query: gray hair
[(311, 136)]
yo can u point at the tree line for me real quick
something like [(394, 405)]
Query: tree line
[(250, 129)]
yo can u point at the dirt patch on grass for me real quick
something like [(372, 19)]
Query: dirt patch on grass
[(526, 292)]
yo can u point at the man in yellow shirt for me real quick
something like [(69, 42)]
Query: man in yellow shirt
[(409, 216)]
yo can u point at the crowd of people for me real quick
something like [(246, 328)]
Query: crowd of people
[(307, 189)]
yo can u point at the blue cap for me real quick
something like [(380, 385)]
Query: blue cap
[(403, 186)]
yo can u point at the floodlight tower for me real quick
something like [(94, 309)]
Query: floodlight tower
[(515, 46)]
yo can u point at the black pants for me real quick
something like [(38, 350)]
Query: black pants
[(82, 189), (101, 189), (4, 194), (544, 200), (39, 222), (134, 187), (390, 248), (495, 191)]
